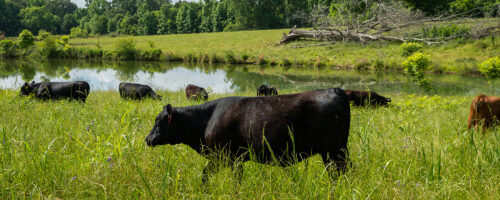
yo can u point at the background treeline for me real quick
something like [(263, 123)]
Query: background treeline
[(150, 17)]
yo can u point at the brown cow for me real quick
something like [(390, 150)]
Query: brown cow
[(194, 92), (485, 109)]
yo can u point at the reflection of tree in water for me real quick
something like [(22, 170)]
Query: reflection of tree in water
[(7, 69), (27, 71)]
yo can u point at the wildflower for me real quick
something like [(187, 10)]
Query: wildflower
[(88, 128), (74, 177), (109, 159)]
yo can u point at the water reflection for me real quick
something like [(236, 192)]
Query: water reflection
[(227, 79)]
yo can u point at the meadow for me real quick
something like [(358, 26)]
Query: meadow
[(417, 148), (261, 47)]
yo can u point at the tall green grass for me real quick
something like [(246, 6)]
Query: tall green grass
[(416, 148), (261, 47)]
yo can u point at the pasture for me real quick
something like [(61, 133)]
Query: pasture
[(261, 47), (417, 148)]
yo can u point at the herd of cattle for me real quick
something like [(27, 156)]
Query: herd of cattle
[(290, 126)]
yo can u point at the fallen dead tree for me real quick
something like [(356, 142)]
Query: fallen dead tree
[(389, 22), (337, 35)]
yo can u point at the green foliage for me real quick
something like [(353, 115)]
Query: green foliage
[(42, 34), (48, 48), (37, 18), (415, 67), (125, 49), (152, 54), (25, 39), (8, 49), (451, 30), (476, 8), (491, 68), (78, 33), (408, 48)]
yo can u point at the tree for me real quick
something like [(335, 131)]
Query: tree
[(68, 22), (60, 8), (206, 15), (25, 39), (148, 21), (187, 18), (167, 18), (10, 22), (430, 6), (98, 7), (99, 24), (36, 18)]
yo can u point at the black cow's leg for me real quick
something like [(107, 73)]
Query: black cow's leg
[(336, 160)]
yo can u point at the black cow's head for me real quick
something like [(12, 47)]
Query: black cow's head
[(27, 89), (273, 91), (203, 94), (164, 128), (380, 100)]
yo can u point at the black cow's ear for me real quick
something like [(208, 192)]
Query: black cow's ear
[(25, 84), (32, 82)]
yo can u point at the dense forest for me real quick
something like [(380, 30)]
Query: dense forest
[(150, 17)]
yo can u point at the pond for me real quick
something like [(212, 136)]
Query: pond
[(106, 75)]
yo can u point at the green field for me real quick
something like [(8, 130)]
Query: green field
[(262, 47), (418, 148)]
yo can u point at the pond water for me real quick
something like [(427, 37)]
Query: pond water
[(106, 75)]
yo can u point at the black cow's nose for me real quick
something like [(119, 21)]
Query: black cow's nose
[(389, 100)]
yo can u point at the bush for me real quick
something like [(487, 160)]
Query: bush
[(125, 49), (409, 48), (25, 39), (78, 33), (151, 54), (491, 68), (229, 57), (42, 34), (48, 48), (415, 67), (8, 48), (446, 31)]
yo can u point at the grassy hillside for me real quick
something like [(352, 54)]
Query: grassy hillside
[(261, 47), (418, 148)]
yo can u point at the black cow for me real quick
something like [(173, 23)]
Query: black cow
[(265, 90), (194, 92), (303, 124), (77, 90), (137, 91), (363, 98)]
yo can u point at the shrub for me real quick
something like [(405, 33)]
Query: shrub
[(229, 57), (491, 68), (151, 54), (125, 49), (409, 48), (48, 48), (78, 33), (415, 67), (446, 31), (25, 39), (42, 34), (8, 48)]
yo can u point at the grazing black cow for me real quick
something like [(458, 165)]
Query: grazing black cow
[(77, 90), (301, 125), (265, 90), (194, 92), (362, 98), (137, 91)]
